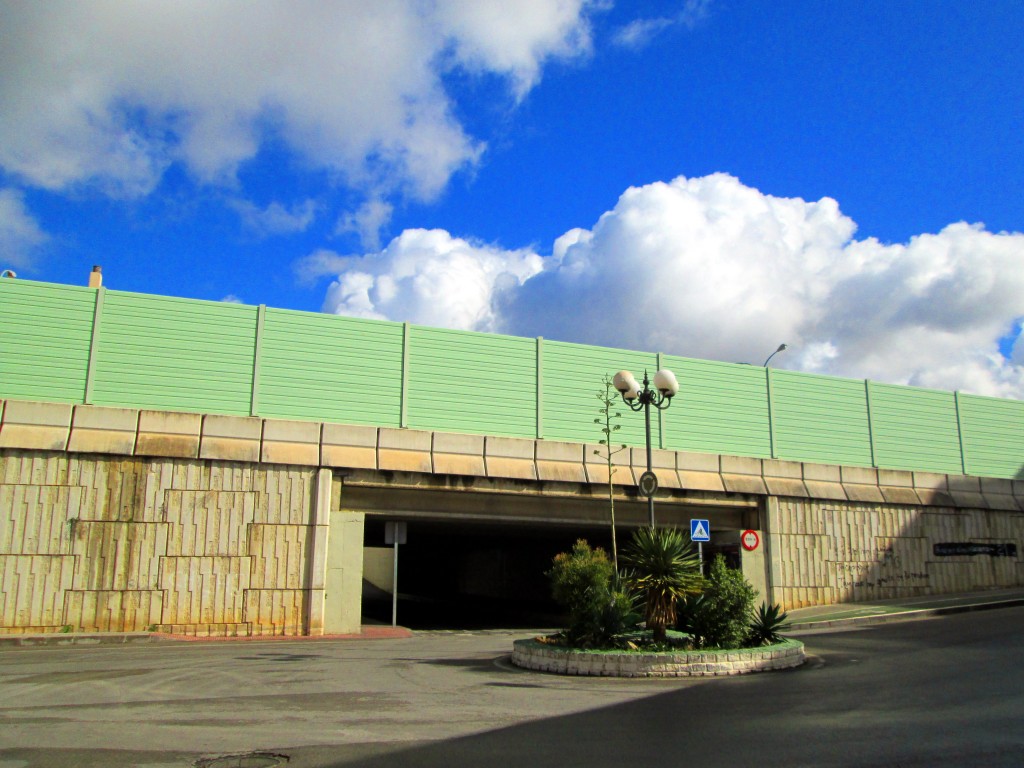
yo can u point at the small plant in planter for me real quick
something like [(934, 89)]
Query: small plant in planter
[(768, 621)]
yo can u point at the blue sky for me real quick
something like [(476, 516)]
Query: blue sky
[(705, 178)]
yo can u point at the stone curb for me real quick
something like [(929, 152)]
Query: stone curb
[(52, 639), (529, 654), (921, 613)]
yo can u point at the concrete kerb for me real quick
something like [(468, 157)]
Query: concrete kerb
[(541, 657), (370, 632), (908, 615)]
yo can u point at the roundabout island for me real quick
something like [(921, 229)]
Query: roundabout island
[(543, 656)]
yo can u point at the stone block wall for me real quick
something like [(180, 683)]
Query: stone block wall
[(120, 544), (825, 552)]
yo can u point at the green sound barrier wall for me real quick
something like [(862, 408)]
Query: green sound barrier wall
[(97, 346)]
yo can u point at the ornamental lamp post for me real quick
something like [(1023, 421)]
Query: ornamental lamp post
[(665, 388)]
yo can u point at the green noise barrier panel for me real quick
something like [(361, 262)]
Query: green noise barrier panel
[(820, 419), (914, 428), (74, 344), (45, 335), (472, 382), (329, 368), (174, 354), (572, 379), (723, 408)]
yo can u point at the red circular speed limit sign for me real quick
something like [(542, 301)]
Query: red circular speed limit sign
[(750, 540)]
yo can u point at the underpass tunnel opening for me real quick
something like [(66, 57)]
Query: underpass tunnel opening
[(459, 574), (469, 575)]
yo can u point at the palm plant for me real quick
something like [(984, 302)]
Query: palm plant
[(767, 623), (663, 568)]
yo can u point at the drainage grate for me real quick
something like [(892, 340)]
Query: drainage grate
[(246, 760)]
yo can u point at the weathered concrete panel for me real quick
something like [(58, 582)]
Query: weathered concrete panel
[(458, 454), (164, 433), (278, 556), (404, 450), (113, 610), (510, 457), (209, 523), (32, 593), (291, 442), (95, 429), (348, 446), (276, 611), (560, 462), (31, 425), (204, 590), (231, 438), (119, 555), (127, 544)]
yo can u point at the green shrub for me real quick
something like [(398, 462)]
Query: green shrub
[(584, 582), (720, 616), (766, 625)]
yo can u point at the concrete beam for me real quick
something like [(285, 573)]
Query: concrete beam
[(35, 426), (168, 434), (404, 450), (231, 438), (510, 457), (291, 442), (344, 445), (95, 429)]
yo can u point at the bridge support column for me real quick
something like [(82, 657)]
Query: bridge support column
[(336, 587)]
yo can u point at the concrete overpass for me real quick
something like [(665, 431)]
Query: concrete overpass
[(123, 509)]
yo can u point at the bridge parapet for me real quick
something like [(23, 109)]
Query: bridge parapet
[(69, 428)]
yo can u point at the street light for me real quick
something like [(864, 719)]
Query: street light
[(665, 388), (782, 348)]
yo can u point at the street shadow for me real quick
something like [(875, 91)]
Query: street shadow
[(859, 708)]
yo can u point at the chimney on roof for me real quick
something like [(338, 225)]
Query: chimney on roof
[(96, 277)]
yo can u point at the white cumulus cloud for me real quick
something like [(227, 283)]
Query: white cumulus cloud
[(20, 234), (110, 94), (424, 276), (710, 268)]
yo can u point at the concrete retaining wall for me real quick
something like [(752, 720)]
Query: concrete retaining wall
[(109, 544), (531, 654), (824, 552)]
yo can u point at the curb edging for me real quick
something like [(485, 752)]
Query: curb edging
[(531, 654)]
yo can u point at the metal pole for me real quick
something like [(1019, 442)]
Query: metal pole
[(394, 588), (647, 419), (700, 556)]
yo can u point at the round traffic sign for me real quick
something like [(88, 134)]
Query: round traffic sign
[(750, 540), (648, 484)]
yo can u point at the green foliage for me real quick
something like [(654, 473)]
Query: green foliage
[(766, 625), (585, 583), (663, 568), (720, 617)]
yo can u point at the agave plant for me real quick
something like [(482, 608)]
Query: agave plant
[(767, 623), (663, 567)]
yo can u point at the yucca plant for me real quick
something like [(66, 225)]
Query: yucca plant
[(663, 567), (766, 625)]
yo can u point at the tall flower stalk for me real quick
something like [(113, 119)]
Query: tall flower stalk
[(608, 423)]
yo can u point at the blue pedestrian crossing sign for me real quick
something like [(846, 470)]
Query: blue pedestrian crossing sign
[(700, 530)]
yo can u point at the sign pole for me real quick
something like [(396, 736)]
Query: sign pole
[(394, 589), (700, 556)]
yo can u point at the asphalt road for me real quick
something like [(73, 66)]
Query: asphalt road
[(943, 691)]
